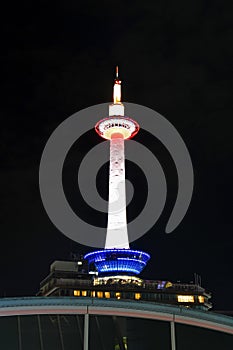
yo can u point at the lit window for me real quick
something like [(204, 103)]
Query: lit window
[(77, 293), (185, 298), (93, 294), (137, 296), (107, 295), (100, 294), (84, 293), (201, 299), (118, 295)]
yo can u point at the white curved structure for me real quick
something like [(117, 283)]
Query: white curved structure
[(117, 128)]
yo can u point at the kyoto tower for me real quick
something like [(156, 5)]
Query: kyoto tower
[(117, 258)]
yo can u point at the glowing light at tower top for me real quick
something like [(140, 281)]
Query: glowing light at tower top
[(117, 89)]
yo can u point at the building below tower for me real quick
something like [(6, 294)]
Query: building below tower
[(73, 279)]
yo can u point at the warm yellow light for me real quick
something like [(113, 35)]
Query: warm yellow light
[(93, 294), (138, 296), (168, 285), (118, 295), (100, 294), (125, 346), (84, 293), (201, 299), (185, 298), (77, 293), (107, 295), (117, 279), (117, 92), (117, 130)]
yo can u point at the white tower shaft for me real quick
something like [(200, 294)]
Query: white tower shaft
[(117, 234)]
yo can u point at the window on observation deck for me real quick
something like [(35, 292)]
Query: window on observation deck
[(185, 298), (107, 295), (201, 299), (77, 293), (118, 295), (84, 293), (137, 296), (100, 294)]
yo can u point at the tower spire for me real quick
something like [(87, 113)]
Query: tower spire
[(117, 89)]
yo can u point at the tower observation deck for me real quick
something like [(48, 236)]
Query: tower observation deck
[(117, 257)]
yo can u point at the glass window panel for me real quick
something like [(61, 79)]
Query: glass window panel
[(72, 331), (102, 333), (143, 334), (112, 333), (50, 332), (58, 332), (192, 338), (30, 332), (9, 339)]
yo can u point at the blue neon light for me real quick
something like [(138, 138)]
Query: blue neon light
[(117, 251), (125, 261)]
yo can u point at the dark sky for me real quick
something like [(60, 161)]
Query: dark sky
[(174, 57)]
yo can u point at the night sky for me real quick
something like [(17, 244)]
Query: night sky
[(174, 57)]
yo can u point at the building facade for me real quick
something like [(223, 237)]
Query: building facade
[(73, 279)]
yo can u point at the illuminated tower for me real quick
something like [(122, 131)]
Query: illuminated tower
[(117, 258)]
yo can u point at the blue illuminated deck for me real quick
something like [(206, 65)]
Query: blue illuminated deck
[(118, 261)]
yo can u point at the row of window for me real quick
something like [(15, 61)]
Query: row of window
[(137, 296), (100, 294), (190, 299), (120, 125)]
